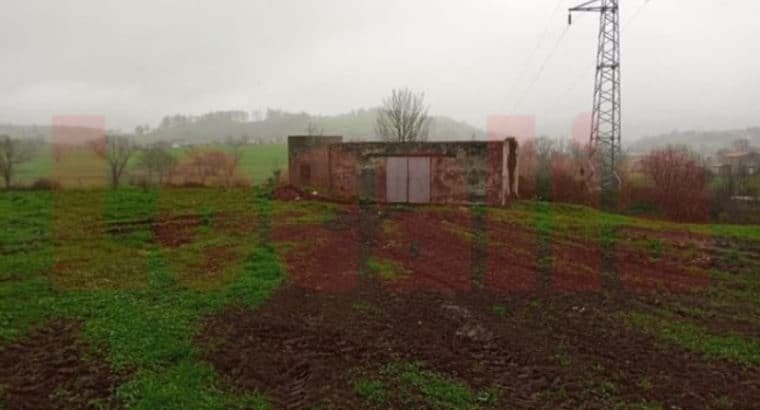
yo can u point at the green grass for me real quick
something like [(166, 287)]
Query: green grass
[(415, 387), (259, 161), (387, 269), (81, 168), (188, 385), (734, 348), (373, 392), (587, 221), (146, 327), (499, 310), (304, 212), (63, 256)]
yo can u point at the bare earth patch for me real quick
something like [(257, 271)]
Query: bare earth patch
[(305, 349), (51, 368), (172, 232)]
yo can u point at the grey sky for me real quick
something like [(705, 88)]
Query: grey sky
[(686, 63)]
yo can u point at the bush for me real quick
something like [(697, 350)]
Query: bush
[(208, 168), (44, 184), (550, 171), (679, 184)]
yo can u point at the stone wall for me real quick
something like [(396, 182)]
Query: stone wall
[(476, 171), (309, 161)]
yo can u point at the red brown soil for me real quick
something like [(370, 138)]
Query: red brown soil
[(215, 260), (173, 232), (431, 247), (288, 193), (326, 257), (305, 349), (512, 258), (51, 368), (576, 265), (683, 265), (236, 223), (434, 248)]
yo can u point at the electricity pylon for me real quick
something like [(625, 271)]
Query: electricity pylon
[(605, 140)]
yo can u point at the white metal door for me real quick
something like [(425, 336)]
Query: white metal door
[(419, 179), (396, 175)]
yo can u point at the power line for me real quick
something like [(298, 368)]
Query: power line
[(541, 69), (635, 14), (535, 49)]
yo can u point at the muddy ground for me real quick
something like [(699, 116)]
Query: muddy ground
[(480, 307), (52, 368), (306, 348)]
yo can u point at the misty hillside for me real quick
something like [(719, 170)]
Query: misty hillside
[(706, 142), (272, 127), (277, 125)]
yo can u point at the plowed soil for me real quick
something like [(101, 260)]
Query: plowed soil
[(304, 348), (51, 368)]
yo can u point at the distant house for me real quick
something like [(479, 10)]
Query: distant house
[(742, 159)]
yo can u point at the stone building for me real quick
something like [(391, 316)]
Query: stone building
[(424, 172), (743, 159)]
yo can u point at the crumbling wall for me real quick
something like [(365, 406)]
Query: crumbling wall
[(309, 161), (459, 171)]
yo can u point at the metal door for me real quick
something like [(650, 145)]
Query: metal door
[(396, 175), (419, 179)]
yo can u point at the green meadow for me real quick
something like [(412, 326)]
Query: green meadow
[(81, 168)]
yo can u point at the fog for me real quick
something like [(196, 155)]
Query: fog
[(686, 64)]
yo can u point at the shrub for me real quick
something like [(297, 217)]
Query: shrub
[(208, 168), (44, 184), (679, 184)]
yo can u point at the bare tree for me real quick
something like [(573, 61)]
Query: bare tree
[(403, 117), (12, 153), (313, 129), (158, 161), (116, 151), (680, 183)]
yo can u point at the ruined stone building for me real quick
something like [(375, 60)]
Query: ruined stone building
[(424, 172)]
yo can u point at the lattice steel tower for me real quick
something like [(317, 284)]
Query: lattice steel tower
[(605, 137)]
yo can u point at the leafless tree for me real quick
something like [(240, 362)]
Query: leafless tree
[(158, 161), (403, 117), (13, 152), (313, 129), (116, 150)]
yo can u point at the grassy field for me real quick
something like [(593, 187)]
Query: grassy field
[(152, 276), (81, 168)]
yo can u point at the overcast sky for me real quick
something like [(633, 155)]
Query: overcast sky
[(687, 64)]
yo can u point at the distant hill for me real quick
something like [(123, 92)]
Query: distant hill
[(274, 127), (277, 125), (705, 142)]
